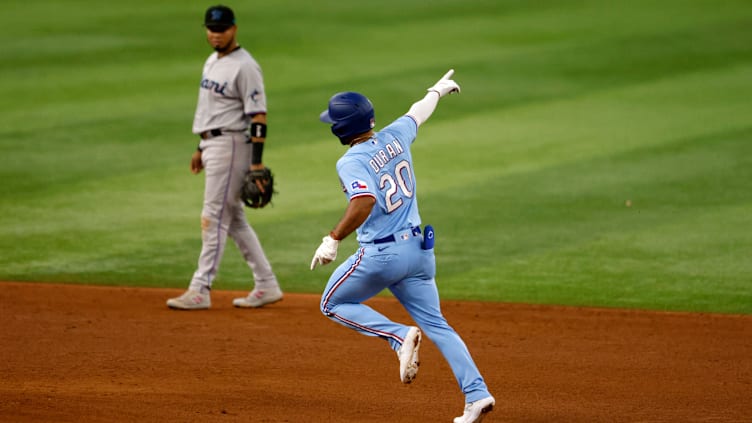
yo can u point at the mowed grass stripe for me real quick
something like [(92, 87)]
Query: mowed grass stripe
[(567, 110)]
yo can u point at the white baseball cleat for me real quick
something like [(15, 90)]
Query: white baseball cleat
[(190, 300), (258, 298), (408, 355), (475, 411)]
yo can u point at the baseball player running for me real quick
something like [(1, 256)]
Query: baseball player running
[(378, 179), (231, 97)]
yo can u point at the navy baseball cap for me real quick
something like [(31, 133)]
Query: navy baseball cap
[(219, 18)]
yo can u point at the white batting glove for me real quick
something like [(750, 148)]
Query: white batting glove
[(445, 85), (326, 253)]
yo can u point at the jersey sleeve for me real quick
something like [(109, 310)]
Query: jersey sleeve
[(355, 179), (404, 129), (251, 86)]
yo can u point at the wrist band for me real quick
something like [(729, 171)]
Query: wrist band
[(257, 149), (258, 130)]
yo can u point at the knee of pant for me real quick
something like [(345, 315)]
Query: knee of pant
[(325, 309), (435, 324), (206, 222)]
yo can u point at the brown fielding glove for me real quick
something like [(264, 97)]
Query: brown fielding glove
[(258, 187)]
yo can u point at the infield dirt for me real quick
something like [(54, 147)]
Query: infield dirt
[(72, 353)]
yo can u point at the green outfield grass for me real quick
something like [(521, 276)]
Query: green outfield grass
[(569, 110)]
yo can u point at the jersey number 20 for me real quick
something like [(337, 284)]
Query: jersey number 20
[(401, 181)]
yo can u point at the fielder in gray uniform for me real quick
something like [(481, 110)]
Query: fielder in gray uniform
[(231, 100)]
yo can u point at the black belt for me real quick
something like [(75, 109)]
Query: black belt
[(391, 238), (210, 134)]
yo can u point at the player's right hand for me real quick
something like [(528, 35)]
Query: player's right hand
[(445, 85), (326, 253), (196, 164)]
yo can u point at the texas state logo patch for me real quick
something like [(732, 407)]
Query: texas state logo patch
[(358, 186)]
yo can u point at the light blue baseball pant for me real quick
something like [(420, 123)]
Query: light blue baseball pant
[(408, 271)]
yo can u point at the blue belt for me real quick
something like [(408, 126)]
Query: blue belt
[(391, 238)]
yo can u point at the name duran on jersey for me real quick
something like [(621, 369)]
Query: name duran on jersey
[(218, 88), (385, 155)]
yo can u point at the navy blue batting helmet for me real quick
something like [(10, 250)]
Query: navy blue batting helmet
[(350, 114)]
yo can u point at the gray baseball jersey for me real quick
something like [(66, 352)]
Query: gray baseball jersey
[(232, 88)]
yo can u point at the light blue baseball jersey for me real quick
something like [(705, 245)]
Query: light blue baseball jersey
[(382, 167)]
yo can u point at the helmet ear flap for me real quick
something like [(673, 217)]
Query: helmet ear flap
[(337, 131)]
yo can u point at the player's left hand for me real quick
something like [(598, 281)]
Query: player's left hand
[(326, 253), (445, 85)]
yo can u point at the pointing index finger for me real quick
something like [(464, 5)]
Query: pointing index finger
[(448, 75)]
